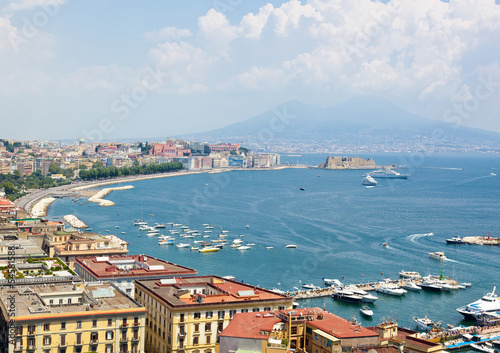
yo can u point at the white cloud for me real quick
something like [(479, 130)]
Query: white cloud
[(48, 5), (167, 33)]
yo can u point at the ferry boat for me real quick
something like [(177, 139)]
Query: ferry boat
[(369, 181), (366, 311), (388, 174), (438, 255), (488, 304), (455, 240)]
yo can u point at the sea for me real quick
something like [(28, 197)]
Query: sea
[(338, 226)]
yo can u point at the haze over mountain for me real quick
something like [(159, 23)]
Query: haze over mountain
[(366, 121)]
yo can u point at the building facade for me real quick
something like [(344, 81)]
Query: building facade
[(186, 315)]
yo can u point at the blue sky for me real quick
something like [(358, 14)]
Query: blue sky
[(114, 69)]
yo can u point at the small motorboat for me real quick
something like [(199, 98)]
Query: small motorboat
[(291, 246), (366, 311), (302, 188), (244, 247), (269, 247), (424, 323), (385, 245), (183, 245)]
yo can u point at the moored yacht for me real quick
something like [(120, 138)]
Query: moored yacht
[(488, 304), (424, 323), (347, 296), (455, 240), (411, 286), (431, 285), (391, 290)]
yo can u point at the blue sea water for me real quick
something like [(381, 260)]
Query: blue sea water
[(338, 226)]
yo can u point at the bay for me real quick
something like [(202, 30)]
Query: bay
[(338, 226)]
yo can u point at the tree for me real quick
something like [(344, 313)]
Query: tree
[(233, 153), (206, 149), (9, 188), (54, 168)]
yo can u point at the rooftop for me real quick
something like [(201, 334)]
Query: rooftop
[(251, 325), (41, 302), (23, 248), (204, 290), (130, 266)]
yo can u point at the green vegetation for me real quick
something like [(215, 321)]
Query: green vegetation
[(98, 172), (243, 149), (16, 185)]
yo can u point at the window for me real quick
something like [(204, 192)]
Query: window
[(281, 308), (110, 322), (208, 339), (267, 309), (19, 330), (181, 318), (181, 343), (69, 300), (195, 340), (94, 323), (31, 342), (209, 314), (197, 315), (232, 313), (46, 327), (63, 326), (51, 301), (109, 335), (294, 330), (63, 340), (181, 330), (47, 340), (124, 322), (208, 327), (244, 310), (221, 314), (31, 329), (196, 327), (94, 336), (109, 348), (255, 310), (78, 338), (78, 324), (136, 320), (60, 301)]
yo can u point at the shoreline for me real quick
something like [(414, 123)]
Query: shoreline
[(99, 196), (129, 179), (41, 207)]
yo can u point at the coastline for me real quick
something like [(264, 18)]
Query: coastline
[(40, 208), (71, 189), (99, 196)]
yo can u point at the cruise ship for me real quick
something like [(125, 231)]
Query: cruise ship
[(488, 304), (388, 174)]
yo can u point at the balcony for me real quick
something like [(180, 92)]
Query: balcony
[(136, 323), (79, 343), (135, 339), (63, 345), (123, 339), (182, 333), (18, 348), (94, 341), (124, 325), (31, 347)]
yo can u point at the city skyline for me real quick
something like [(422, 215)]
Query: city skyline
[(126, 70)]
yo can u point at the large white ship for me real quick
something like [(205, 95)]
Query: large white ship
[(387, 173), (488, 304)]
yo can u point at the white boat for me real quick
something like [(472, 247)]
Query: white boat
[(244, 247), (206, 236), (366, 297), (455, 240), (237, 241), (437, 255), (424, 323), (209, 249), (366, 311), (411, 286), (198, 241), (225, 231), (207, 231), (117, 227), (277, 291), (194, 248), (388, 174), (308, 286), (488, 304), (251, 244), (161, 226), (269, 247), (332, 282), (166, 242), (391, 290), (183, 245), (140, 223), (222, 235), (152, 234), (431, 285), (409, 274), (483, 348), (291, 246), (205, 224), (209, 227), (124, 233), (347, 296), (176, 225), (369, 181)]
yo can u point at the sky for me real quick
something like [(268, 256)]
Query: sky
[(109, 69)]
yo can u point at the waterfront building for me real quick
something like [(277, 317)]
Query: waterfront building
[(68, 246), (169, 149), (238, 161), (125, 269), (224, 147), (92, 317), (302, 330), (187, 314)]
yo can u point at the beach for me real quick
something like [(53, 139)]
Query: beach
[(40, 208)]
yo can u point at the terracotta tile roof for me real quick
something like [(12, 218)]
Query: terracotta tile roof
[(251, 325)]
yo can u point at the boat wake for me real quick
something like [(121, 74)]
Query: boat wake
[(443, 168), (413, 237)]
